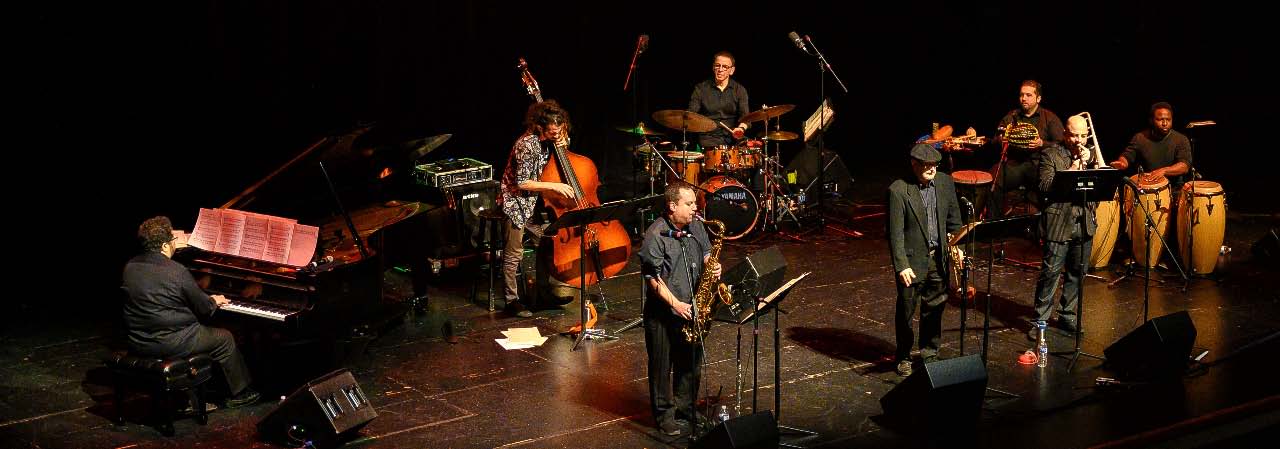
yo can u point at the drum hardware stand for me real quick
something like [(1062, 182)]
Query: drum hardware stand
[(777, 205)]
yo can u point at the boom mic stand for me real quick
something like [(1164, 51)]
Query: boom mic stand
[(1146, 266), (823, 68)]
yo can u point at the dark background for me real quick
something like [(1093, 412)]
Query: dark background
[(166, 108)]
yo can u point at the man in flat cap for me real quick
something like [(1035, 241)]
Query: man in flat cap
[(922, 210)]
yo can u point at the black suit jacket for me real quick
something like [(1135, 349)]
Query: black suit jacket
[(908, 245), (164, 306), (1056, 217)]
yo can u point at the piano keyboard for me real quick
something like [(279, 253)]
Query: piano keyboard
[(258, 310)]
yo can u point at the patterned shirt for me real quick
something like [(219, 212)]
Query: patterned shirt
[(929, 196), (528, 158)]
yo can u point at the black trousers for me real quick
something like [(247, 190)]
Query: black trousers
[(927, 294), (221, 345), (671, 357), (1060, 258)]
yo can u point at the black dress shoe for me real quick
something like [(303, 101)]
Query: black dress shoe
[(246, 397), (1068, 325), (669, 427), (190, 409)]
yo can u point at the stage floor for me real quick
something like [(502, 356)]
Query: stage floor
[(836, 358)]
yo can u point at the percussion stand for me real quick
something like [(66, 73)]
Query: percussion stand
[(1000, 174)]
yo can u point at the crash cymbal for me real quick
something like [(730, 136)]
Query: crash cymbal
[(685, 120), (421, 147), (781, 135), (640, 130), (768, 113)]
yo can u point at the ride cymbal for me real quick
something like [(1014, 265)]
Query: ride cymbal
[(768, 113), (684, 120)]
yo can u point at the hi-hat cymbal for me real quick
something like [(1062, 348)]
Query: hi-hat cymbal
[(768, 113), (640, 130), (781, 135), (685, 120)]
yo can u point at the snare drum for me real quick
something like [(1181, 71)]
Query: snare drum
[(727, 200), (687, 163), (1154, 196), (973, 185), (1201, 224), (1104, 239)]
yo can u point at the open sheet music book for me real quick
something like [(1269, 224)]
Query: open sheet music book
[(255, 236)]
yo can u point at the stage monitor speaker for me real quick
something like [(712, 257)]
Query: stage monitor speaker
[(455, 222), (1267, 248), (757, 275), (1160, 347), (946, 394), (324, 411), (757, 430), (805, 166)]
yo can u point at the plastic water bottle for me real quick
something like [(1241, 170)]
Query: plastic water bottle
[(724, 413), (1043, 360)]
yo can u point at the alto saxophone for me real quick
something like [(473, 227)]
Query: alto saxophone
[(709, 288)]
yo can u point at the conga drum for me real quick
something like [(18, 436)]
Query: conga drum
[(687, 164), (1104, 239), (1154, 197), (973, 185), (1202, 221)]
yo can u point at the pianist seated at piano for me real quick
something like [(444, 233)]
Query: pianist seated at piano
[(165, 306)]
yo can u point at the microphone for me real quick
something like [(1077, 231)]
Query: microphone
[(1131, 183), (968, 205), (675, 233), (642, 44), (796, 39)]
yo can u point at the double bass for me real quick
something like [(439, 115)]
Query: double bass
[(608, 246)]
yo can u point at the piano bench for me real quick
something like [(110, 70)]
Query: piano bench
[(162, 378)]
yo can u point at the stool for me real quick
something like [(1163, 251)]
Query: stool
[(493, 231), (161, 378)]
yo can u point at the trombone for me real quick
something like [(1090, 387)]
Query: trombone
[(1093, 138)]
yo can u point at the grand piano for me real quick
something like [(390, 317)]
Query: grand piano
[(345, 291)]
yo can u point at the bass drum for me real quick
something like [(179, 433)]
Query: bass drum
[(724, 198)]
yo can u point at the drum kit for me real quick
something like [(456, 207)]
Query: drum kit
[(719, 173)]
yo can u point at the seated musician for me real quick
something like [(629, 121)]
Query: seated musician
[(723, 100), (1065, 227), (1019, 168), (545, 124), (1160, 152), (672, 258), (165, 306)]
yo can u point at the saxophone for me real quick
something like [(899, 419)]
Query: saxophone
[(709, 288)]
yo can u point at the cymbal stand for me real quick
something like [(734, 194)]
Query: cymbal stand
[(777, 205)]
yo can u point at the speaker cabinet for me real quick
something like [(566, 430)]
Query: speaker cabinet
[(323, 412), (757, 430), (805, 166), (1161, 347), (455, 221), (946, 394)]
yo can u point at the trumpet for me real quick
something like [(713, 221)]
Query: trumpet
[(1093, 158)]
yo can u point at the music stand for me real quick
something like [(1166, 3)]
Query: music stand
[(580, 219), (763, 304), (989, 231), (1080, 187)]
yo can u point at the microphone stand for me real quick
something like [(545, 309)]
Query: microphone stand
[(1146, 266), (823, 68)]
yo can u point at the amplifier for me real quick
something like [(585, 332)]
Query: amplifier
[(452, 172)]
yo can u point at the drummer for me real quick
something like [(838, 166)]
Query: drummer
[(722, 100), (1160, 151)]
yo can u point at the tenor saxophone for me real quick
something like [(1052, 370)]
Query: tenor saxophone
[(709, 288)]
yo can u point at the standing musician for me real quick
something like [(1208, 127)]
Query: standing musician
[(722, 100), (1160, 150), (923, 209), (672, 258), (1019, 166), (1065, 226), (546, 123)]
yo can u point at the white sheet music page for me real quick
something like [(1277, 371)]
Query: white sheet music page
[(230, 232), (303, 245), (205, 234)]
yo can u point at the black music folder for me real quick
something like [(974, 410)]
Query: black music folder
[(1090, 185)]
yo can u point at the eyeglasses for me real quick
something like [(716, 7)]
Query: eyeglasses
[(721, 67)]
